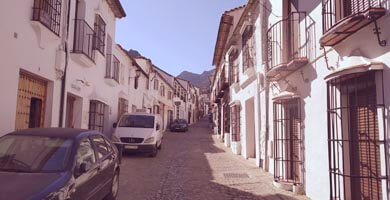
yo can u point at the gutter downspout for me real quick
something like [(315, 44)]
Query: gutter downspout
[(63, 80)]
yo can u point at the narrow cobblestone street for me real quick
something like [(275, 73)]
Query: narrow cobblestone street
[(194, 165)]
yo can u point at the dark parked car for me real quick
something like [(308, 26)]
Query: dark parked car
[(179, 125), (54, 163)]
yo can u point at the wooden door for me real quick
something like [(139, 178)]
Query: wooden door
[(31, 102), (364, 148), (69, 121)]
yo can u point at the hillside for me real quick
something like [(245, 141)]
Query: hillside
[(199, 80)]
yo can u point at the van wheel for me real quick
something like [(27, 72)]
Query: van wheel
[(154, 152)]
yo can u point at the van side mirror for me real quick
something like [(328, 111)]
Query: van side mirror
[(115, 125), (158, 127)]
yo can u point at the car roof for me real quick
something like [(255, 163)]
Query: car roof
[(69, 133)]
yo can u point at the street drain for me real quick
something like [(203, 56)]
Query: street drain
[(235, 175)]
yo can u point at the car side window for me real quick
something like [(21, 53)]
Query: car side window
[(85, 153), (101, 147), (109, 145)]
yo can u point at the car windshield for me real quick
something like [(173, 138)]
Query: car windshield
[(137, 121), (31, 154), (180, 121)]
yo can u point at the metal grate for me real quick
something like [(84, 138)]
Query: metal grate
[(288, 141), (356, 137), (48, 12), (288, 40), (236, 175), (334, 11), (131, 140), (83, 39)]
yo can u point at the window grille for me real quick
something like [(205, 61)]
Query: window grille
[(96, 115), (226, 118), (356, 136), (162, 91), (112, 67), (248, 48), (100, 34), (233, 68), (288, 141), (83, 39), (235, 122), (155, 86), (48, 12)]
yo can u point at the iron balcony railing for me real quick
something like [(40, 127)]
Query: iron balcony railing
[(287, 40), (84, 39), (48, 12), (334, 11), (112, 67)]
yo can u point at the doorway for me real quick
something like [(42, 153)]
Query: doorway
[(31, 102), (250, 128)]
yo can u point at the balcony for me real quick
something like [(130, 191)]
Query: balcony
[(342, 18), (84, 42), (287, 46), (48, 13), (112, 70)]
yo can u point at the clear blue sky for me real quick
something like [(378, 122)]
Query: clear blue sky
[(177, 35)]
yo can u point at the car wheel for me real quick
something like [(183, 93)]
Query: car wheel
[(154, 152), (114, 187)]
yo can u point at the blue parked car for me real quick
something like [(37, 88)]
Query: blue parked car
[(55, 163)]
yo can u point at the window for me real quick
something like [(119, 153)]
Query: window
[(226, 112), (137, 121), (162, 91), (169, 95), (96, 115), (85, 153), (112, 67), (34, 153), (156, 109), (48, 12), (288, 141), (233, 68), (136, 82), (100, 34), (123, 106), (101, 147), (147, 84), (248, 48), (155, 86), (235, 122), (357, 136)]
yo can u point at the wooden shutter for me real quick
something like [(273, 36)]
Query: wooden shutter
[(365, 152)]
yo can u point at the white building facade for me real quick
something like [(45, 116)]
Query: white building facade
[(322, 95)]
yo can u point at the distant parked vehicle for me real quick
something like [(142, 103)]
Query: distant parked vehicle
[(58, 164), (139, 132), (179, 125)]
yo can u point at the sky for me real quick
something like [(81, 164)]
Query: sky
[(176, 35)]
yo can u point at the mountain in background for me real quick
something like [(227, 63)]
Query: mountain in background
[(199, 80)]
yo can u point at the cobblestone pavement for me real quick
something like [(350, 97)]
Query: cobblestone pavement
[(195, 166)]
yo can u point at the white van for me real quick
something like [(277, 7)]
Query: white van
[(139, 132)]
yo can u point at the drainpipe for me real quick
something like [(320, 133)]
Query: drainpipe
[(63, 80)]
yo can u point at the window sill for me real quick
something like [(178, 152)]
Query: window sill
[(111, 82), (44, 35), (82, 59)]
